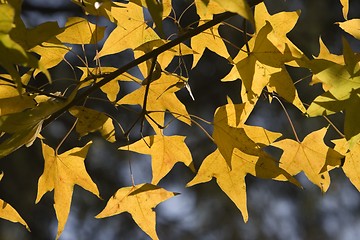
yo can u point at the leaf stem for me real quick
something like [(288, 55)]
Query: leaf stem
[(245, 37), (288, 117), (66, 136), (333, 125)]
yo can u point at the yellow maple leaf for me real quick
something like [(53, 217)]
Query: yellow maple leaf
[(211, 40), (230, 134), (80, 31), (240, 7), (352, 27), (311, 156), (9, 213), (165, 151), (52, 53), (139, 201), (263, 67), (206, 9), (345, 8), (131, 32), (161, 97), (61, 173), (282, 23), (232, 181), (351, 166), (90, 120)]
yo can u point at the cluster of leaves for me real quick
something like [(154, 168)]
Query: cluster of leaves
[(261, 64)]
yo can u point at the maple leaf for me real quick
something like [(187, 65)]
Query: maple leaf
[(342, 82), (282, 23), (311, 156), (351, 27), (131, 32), (90, 120), (9, 213), (263, 67), (52, 53), (351, 166), (140, 201), (61, 173), (345, 8), (232, 181), (80, 31), (240, 7), (230, 133), (165, 151), (211, 40), (327, 104), (161, 97), (207, 8)]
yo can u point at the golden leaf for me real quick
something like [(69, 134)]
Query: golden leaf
[(139, 201), (311, 156), (61, 173), (165, 151)]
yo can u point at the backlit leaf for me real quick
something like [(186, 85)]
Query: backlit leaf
[(80, 31), (311, 156), (90, 120), (351, 166), (229, 135), (232, 181), (240, 7), (345, 8), (351, 27), (61, 173), (165, 152), (161, 97), (131, 31), (139, 201)]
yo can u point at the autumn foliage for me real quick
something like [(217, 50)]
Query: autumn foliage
[(261, 64)]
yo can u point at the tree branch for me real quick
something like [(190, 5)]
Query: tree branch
[(147, 56)]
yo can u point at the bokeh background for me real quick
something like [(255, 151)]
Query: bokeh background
[(277, 210)]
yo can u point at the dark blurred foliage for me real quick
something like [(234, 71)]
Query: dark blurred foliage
[(277, 210)]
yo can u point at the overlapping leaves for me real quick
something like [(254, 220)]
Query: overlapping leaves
[(261, 65)]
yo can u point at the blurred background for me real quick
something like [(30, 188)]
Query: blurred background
[(277, 210)]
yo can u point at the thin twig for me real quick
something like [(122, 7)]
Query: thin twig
[(245, 37), (333, 125), (288, 117), (109, 77)]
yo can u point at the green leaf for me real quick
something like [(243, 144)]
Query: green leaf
[(24, 127)]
